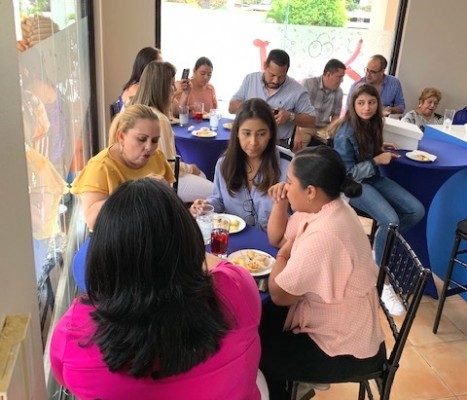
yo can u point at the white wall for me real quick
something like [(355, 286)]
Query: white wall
[(434, 52), (17, 275), (122, 28)]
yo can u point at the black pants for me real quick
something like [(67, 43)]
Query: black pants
[(287, 357)]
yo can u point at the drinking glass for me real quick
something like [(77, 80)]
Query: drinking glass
[(448, 117), (214, 118), (198, 110), (220, 236), (184, 115), (204, 215)]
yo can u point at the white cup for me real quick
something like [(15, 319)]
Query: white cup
[(204, 215), (448, 117), (184, 115)]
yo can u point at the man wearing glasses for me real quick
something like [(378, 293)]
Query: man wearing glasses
[(388, 86), (288, 99)]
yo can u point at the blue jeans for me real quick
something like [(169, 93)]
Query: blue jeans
[(388, 203)]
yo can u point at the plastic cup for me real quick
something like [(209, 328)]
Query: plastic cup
[(214, 118), (198, 110), (220, 236), (184, 115), (448, 117), (204, 215)]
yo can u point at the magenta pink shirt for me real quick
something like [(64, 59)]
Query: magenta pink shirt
[(228, 374)]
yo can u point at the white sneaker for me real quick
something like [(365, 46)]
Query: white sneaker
[(306, 389), (392, 301)]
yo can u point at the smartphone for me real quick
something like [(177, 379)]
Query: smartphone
[(185, 73)]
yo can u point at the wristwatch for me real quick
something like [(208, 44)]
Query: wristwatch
[(291, 117)]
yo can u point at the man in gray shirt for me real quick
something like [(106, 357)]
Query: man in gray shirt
[(326, 97), (288, 99)]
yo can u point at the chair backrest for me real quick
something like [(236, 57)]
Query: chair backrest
[(176, 169), (285, 153), (408, 278), (114, 109)]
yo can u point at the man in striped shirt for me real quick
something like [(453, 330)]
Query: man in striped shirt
[(389, 87), (288, 99)]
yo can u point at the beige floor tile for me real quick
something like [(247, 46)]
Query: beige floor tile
[(449, 361), (415, 379), (341, 391), (456, 312), (422, 328)]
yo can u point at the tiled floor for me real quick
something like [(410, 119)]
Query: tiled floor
[(433, 367)]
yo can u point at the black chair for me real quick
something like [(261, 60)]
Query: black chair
[(114, 109), (452, 286), (374, 224), (176, 169), (408, 278)]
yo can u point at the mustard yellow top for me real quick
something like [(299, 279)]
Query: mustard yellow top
[(103, 173)]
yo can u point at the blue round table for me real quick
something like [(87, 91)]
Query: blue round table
[(250, 238), (204, 152), (441, 186)]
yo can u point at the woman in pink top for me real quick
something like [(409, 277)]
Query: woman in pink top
[(199, 90), (162, 319), (325, 277)]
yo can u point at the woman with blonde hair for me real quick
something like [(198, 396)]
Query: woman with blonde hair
[(425, 113), (156, 90), (132, 155)]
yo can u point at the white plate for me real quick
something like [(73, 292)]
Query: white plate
[(421, 156), (235, 228), (228, 125), (244, 255), (204, 134)]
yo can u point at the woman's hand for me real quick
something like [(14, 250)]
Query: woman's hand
[(278, 192), (387, 146), (195, 170), (385, 158), (197, 204)]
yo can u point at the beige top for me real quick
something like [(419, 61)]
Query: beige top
[(331, 267)]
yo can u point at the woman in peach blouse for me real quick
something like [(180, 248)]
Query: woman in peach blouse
[(198, 89), (323, 323)]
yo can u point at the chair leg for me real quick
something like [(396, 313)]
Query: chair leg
[(374, 228), (447, 279)]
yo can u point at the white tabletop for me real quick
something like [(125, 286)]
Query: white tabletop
[(458, 131)]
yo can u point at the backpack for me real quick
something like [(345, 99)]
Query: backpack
[(460, 117)]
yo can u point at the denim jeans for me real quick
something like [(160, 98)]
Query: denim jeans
[(388, 203)]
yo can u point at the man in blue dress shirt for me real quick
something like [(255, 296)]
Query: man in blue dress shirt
[(288, 99), (389, 87)]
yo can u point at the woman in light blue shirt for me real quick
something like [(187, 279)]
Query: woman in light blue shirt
[(250, 165)]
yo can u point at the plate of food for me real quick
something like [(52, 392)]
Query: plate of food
[(237, 224), (228, 125), (174, 121), (421, 156), (258, 262), (204, 132)]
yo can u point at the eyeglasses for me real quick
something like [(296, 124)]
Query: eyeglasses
[(371, 72), (249, 207)]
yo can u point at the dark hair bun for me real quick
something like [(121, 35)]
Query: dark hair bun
[(351, 188)]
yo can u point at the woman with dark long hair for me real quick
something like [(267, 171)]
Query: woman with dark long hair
[(327, 325), (161, 319), (249, 166), (359, 141), (143, 58)]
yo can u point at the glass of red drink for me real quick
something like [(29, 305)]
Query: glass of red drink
[(198, 111), (220, 236)]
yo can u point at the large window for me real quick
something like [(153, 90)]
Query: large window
[(237, 35), (53, 52)]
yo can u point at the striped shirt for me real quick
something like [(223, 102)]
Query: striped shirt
[(327, 102), (290, 96)]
